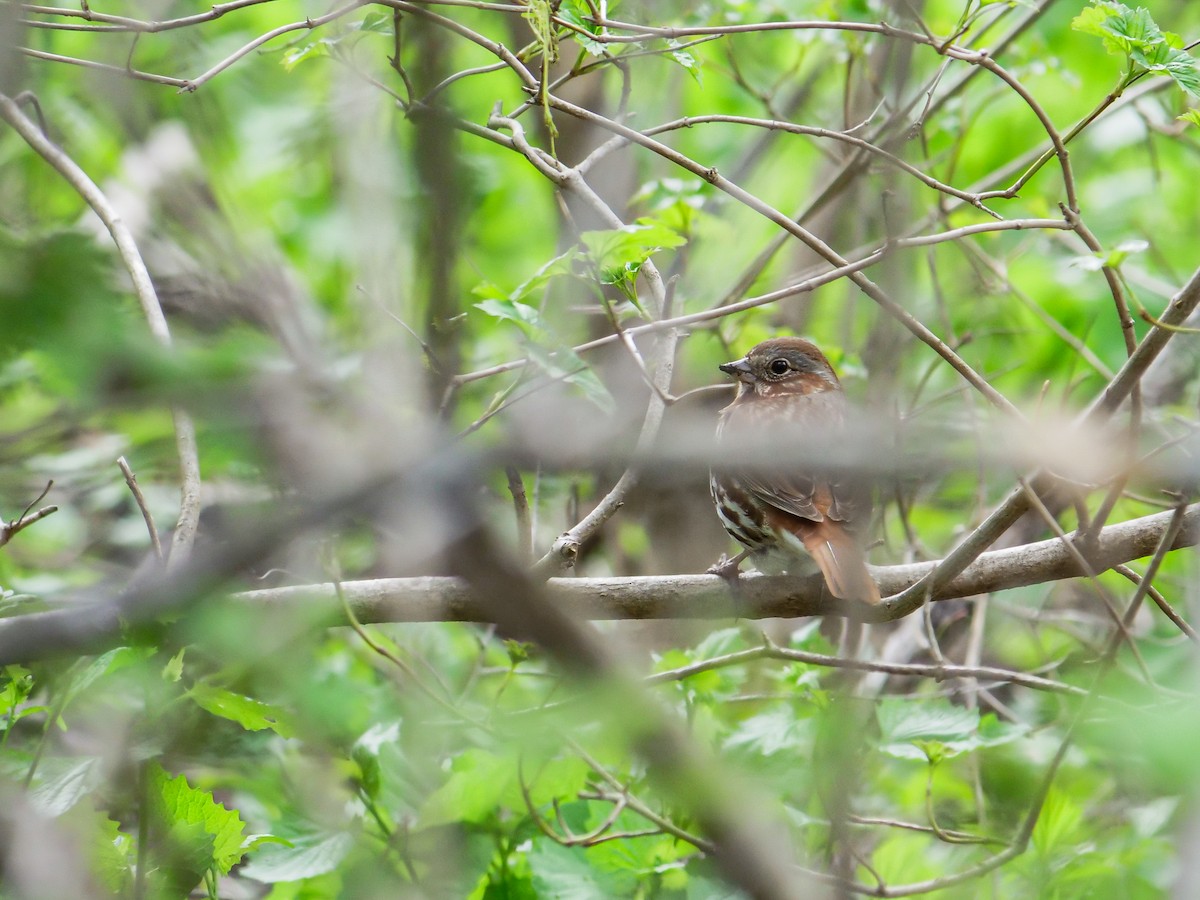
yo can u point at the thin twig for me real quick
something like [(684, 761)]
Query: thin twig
[(140, 499), (9, 530)]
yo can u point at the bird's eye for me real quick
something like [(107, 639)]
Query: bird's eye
[(779, 366)]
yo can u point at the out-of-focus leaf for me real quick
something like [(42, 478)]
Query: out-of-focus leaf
[(251, 714), (305, 857), (366, 753), (770, 732), (477, 783), (1058, 822), (565, 872), (62, 783)]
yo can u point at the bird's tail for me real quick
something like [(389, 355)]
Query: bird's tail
[(841, 561)]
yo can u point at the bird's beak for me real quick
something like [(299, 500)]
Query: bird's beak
[(739, 369)]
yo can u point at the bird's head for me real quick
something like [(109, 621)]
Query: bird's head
[(788, 365)]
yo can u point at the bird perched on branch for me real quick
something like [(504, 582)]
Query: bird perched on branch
[(788, 395)]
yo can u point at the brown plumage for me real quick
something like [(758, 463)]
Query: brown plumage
[(787, 386)]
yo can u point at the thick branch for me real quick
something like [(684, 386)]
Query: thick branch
[(435, 599)]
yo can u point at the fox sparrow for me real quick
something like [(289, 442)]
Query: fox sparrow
[(787, 386)]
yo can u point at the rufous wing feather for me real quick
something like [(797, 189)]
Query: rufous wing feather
[(840, 560)]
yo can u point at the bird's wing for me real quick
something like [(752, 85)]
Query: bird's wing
[(802, 489)]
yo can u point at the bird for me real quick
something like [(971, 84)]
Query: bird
[(787, 389)]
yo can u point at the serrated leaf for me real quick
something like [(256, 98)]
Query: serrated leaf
[(1181, 68), (305, 857), (251, 714), (186, 811), (1134, 34), (1091, 20), (930, 731), (1192, 115)]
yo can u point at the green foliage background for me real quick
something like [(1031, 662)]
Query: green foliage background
[(235, 745)]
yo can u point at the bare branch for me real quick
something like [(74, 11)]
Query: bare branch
[(434, 599), (9, 530)]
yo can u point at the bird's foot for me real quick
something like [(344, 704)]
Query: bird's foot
[(728, 568)]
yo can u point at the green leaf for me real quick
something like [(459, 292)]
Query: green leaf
[(181, 807), (113, 661), (108, 850), (687, 60), (1192, 115), (770, 732), (297, 55), (478, 782), (510, 310), (563, 264), (18, 684), (1058, 824), (517, 651), (906, 720), (566, 364), (1094, 262), (173, 670), (251, 714), (915, 730), (616, 248), (556, 779), (573, 13), (304, 857), (64, 783), (1181, 67), (1134, 34), (379, 22), (565, 873), (719, 643), (366, 754)]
